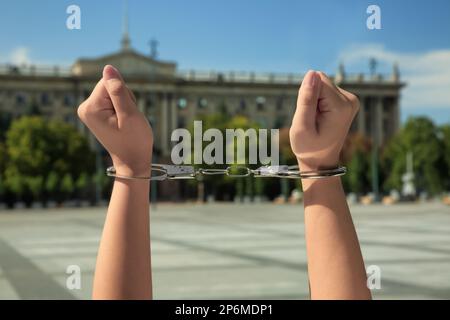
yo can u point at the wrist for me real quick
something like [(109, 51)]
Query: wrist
[(309, 165), (143, 170), (305, 165)]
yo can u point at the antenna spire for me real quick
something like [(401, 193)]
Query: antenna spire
[(125, 36)]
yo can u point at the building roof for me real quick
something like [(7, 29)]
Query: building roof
[(130, 62)]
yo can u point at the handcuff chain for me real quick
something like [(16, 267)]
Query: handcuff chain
[(178, 172)]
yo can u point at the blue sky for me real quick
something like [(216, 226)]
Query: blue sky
[(258, 35)]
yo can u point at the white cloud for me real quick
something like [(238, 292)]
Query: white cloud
[(20, 56), (427, 74)]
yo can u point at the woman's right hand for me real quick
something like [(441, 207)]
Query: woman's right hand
[(111, 115)]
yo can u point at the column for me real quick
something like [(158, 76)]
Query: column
[(379, 134), (396, 112), (164, 127), (362, 116), (141, 103), (173, 113)]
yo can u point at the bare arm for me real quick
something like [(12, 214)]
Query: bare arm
[(321, 122), (123, 269), (123, 261)]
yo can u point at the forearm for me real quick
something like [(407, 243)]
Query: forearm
[(123, 269), (335, 264)]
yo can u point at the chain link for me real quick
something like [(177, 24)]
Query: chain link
[(178, 172)]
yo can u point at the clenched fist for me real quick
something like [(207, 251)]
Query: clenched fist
[(321, 122), (112, 116)]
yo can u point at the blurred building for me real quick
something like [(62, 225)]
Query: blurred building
[(171, 98)]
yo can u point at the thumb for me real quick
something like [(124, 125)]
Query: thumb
[(307, 101), (117, 91)]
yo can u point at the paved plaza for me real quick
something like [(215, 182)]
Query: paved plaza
[(225, 251)]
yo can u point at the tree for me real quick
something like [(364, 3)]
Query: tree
[(41, 152), (5, 122), (356, 156), (419, 136), (444, 134), (81, 185), (27, 143), (52, 184), (224, 186), (67, 186), (2, 168), (285, 147)]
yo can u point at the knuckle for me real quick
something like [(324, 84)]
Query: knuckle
[(305, 99), (116, 87), (82, 110), (85, 111), (354, 102), (322, 74), (297, 130)]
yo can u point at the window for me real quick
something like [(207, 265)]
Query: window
[(45, 99), (242, 105), (202, 103), (148, 101), (182, 103), (68, 100), (21, 99), (279, 103), (260, 102)]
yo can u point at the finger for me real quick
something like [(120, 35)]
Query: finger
[(353, 99), (99, 95), (308, 96), (118, 91), (98, 100), (329, 93)]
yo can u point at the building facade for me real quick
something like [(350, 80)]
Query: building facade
[(172, 99)]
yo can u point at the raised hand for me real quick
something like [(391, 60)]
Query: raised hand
[(123, 269), (112, 116), (321, 121)]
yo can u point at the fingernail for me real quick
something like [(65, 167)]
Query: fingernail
[(311, 78), (109, 72)]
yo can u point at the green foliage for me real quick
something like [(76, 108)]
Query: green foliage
[(358, 170), (41, 152), (51, 185), (5, 122), (419, 136), (259, 186), (2, 167), (444, 134), (218, 184), (249, 186), (82, 182), (67, 185), (239, 188)]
